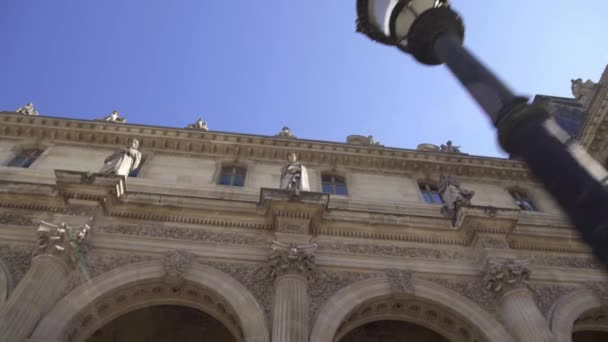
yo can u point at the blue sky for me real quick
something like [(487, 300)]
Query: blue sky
[(254, 66)]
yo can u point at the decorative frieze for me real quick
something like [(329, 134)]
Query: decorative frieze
[(292, 259), (440, 253), (503, 274), (181, 233), (552, 260), (7, 217)]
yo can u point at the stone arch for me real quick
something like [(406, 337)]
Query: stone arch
[(86, 303), (339, 308), (567, 309)]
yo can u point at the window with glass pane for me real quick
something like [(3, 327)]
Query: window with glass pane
[(232, 175), (523, 200), (430, 193), (25, 158), (135, 172), (335, 185)]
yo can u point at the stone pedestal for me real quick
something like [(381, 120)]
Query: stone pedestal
[(38, 291), (522, 317), (290, 309)]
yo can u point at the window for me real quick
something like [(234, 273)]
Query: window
[(25, 158), (334, 185), (136, 172), (430, 193), (233, 176), (523, 201)]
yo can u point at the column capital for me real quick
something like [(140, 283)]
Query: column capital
[(292, 259), (501, 275), (65, 242)]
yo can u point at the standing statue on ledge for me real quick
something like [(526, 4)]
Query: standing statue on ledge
[(123, 161), (199, 124), (580, 89), (294, 176), (28, 109), (449, 148), (113, 117), (285, 133), (453, 196)]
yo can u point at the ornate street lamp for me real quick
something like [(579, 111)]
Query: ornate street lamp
[(433, 34)]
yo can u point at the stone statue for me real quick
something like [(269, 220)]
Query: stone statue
[(199, 124), (114, 117), (28, 109), (123, 161), (450, 148), (285, 133), (294, 176), (580, 89), (371, 141), (453, 196)]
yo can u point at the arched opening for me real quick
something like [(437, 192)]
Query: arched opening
[(392, 331), (591, 326), (163, 323)]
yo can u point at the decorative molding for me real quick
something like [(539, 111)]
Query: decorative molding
[(503, 274), (400, 280), (292, 259), (7, 217), (471, 288), (193, 234), (255, 277), (221, 222), (327, 283), (17, 259), (547, 294), (259, 147), (388, 250)]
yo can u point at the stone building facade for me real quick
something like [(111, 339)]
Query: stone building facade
[(200, 240)]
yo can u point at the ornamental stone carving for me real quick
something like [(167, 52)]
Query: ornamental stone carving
[(547, 294), (292, 259), (472, 289), (62, 240), (199, 124), (28, 109), (400, 251), (453, 196), (400, 280), (114, 117), (102, 263), (17, 259), (286, 133), (503, 274), (580, 89), (16, 219), (176, 264), (122, 161)]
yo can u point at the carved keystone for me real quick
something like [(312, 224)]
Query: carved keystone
[(400, 280), (176, 264)]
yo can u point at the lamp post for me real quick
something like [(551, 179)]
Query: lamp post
[(433, 34)]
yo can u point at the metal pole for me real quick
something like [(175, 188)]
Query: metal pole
[(573, 178)]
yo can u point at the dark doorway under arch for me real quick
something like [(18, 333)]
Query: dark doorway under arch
[(392, 331), (590, 336), (163, 323)]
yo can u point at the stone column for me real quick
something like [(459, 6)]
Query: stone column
[(291, 267), (507, 279), (44, 283)]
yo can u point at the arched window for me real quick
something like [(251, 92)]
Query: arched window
[(25, 158), (523, 200), (430, 193), (232, 175), (334, 185)]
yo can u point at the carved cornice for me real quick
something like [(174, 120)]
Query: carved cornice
[(594, 133), (259, 147)]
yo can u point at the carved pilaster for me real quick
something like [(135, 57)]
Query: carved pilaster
[(507, 279)]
